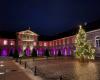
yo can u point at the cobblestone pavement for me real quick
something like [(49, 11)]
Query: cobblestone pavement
[(67, 69), (52, 69), (12, 71)]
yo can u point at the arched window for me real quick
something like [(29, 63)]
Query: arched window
[(97, 41)]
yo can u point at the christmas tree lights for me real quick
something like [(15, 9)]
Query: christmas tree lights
[(84, 50)]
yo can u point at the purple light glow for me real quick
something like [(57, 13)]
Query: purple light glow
[(63, 51), (28, 52), (4, 52), (12, 49), (40, 51), (52, 52), (55, 51), (68, 51), (19, 51)]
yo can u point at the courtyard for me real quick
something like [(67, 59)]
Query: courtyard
[(64, 69), (59, 68)]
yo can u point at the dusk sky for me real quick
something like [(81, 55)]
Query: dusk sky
[(47, 17)]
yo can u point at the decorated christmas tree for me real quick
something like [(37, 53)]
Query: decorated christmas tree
[(84, 50)]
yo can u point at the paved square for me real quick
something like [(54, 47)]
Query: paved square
[(68, 69)]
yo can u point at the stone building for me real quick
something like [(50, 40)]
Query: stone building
[(27, 40)]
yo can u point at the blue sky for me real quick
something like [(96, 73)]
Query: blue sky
[(47, 17)]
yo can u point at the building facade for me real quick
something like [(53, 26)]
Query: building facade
[(27, 41)]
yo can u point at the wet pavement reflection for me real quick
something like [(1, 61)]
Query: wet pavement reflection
[(69, 70), (87, 71)]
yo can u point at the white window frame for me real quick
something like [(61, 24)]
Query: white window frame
[(97, 44)]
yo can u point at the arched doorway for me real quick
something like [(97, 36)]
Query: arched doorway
[(4, 52), (11, 52), (68, 51), (20, 51), (52, 53), (28, 52), (64, 51), (40, 52)]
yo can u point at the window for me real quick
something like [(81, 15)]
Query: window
[(97, 41), (34, 44), (11, 43), (5, 42), (24, 37), (31, 37), (45, 44), (63, 41), (40, 43)]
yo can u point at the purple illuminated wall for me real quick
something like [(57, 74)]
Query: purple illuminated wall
[(4, 52), (52, 51), (55, 51), (68, 51), (40, 51), (28, 52), (63, 51)]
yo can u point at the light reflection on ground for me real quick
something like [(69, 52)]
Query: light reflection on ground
[(86, 71), (70, 70)]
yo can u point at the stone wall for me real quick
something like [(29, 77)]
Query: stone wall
[(91, 36)]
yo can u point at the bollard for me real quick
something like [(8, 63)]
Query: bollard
[(25, 64), (60, 78), (35, 70), (20, 61)]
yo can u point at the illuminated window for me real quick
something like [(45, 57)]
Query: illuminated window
[(63, 41), (11, 43), (59, 42), (40, 43), (5, 42), (34, 37), (67, 40), (53, 43), (73, 39), (31, 37), (97, 41), (34, 43), (45, 44), (70, 39), (50, 43)]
